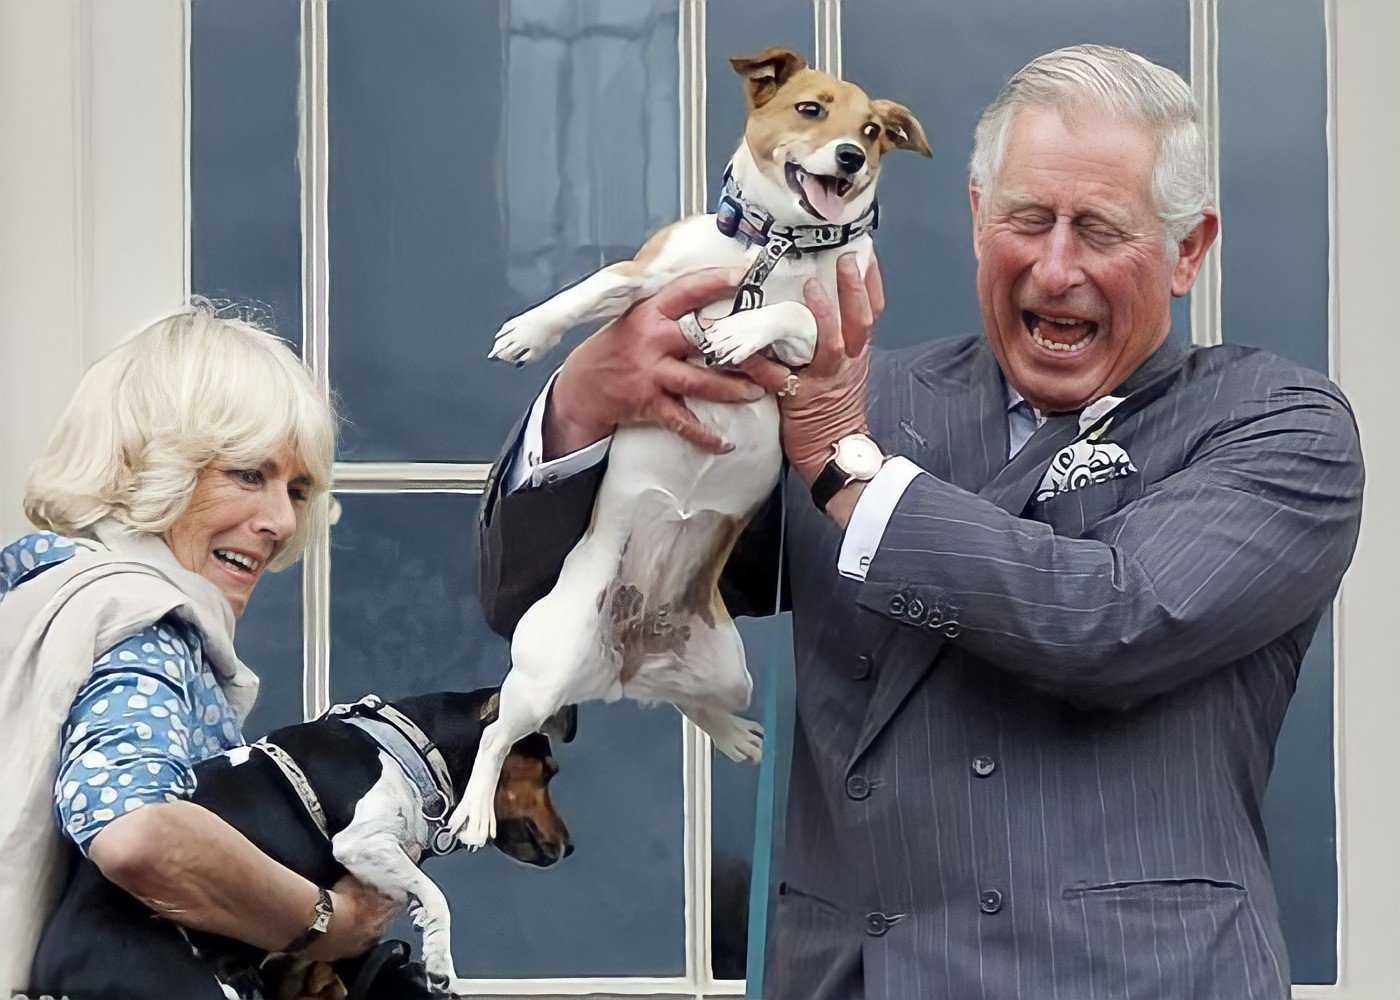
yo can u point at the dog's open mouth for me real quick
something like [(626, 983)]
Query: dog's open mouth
[(819, 194)]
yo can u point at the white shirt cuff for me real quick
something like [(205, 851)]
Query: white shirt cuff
[(871, 514), (526, 465)]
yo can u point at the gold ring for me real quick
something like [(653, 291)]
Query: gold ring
[(790, 386)]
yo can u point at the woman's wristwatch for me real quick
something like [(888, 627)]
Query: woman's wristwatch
[(319, 925), (855, 458)]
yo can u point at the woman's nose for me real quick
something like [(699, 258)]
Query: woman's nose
[(277, 516)]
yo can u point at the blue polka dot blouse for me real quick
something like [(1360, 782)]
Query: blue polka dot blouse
[(149, 712)]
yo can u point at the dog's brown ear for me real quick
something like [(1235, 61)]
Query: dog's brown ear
[(562, 725), (491, 711), (902, 129), (766, 72)]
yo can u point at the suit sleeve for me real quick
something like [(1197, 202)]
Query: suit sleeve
[(1249, 539), (525, 535)]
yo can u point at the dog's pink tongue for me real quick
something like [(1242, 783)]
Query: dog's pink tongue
[(821, 197)]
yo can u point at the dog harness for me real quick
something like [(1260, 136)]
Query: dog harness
[(740, 219), (418, 756), (401, 738)]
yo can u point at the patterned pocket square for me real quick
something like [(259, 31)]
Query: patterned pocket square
[(1084, 463), (1090, 460)]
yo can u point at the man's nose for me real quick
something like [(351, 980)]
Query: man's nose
[(849, 157), (1057, 269)]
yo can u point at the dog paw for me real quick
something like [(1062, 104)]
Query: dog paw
[(524, 339), (731, 343), (738, 738)]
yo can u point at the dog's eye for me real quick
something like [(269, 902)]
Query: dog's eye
[(871, 130), (810, 109)]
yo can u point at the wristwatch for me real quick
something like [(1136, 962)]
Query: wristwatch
[(854, 458), (319, 925)]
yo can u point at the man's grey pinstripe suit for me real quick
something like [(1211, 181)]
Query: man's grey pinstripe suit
[(1031, 746)]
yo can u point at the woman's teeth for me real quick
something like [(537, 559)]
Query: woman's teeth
[(238, 559), (1064, 347)]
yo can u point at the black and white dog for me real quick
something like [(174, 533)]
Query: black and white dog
[(365, 789)]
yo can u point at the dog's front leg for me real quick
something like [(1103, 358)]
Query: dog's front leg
[(380, 862), (604, 295), (787, 327)]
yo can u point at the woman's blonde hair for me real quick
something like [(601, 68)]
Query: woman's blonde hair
[(187, 390)]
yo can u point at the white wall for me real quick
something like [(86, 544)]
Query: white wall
[(92, 201), (1367, 255)]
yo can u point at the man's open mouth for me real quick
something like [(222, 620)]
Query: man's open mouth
[(1062, 334), (818, 194)]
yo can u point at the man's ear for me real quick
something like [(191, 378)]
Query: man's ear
[(1191, 253), (562, 725), (766, 72), (902, 129), (974, 197)]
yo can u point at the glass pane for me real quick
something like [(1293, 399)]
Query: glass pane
[(1273, 151), (269, 641), (484, 155), (405, 620), (245, 224), (946, 63)]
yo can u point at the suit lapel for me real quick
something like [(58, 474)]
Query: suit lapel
[(975, 460)]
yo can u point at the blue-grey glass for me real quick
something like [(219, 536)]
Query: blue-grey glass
[(405, 620), (245, 220), (741, 28), (269, 641), (484, 155), (947, 62), (1273, 179)]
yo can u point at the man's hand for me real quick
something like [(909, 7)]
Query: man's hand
[(830, 398), (633, 371)]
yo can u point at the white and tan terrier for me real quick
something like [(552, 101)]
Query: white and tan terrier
[(636, 610)]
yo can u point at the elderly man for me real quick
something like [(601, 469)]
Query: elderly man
[(1052, 598)]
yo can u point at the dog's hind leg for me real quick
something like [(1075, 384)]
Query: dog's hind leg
[(736, 737)]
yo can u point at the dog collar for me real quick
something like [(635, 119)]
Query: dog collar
[(421, 760), (741, 219)]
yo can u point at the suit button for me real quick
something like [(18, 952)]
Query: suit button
[(989, 900), (952, 630), (935, 617), (858, 787), (876, 924), (916, 610), (862, 668), (983, 766), (897, 604)]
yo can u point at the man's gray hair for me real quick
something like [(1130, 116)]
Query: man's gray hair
[(1126, 86)]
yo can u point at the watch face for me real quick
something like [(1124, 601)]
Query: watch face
[(859, 456)]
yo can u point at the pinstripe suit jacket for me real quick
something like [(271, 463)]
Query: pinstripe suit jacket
[(1032, 744)]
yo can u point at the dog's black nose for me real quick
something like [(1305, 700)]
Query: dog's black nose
[(850, 157), (568, 849)]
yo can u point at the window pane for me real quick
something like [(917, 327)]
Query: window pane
[(484, 155), (269, 641), (405, 620), (245, 223)]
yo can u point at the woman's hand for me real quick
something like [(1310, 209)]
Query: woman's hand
[(360, 919), (830, 399), (634, 371)]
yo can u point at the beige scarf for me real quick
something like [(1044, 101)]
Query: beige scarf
[(52, 628)]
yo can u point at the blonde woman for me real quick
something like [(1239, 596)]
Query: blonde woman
[(192, 460)]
